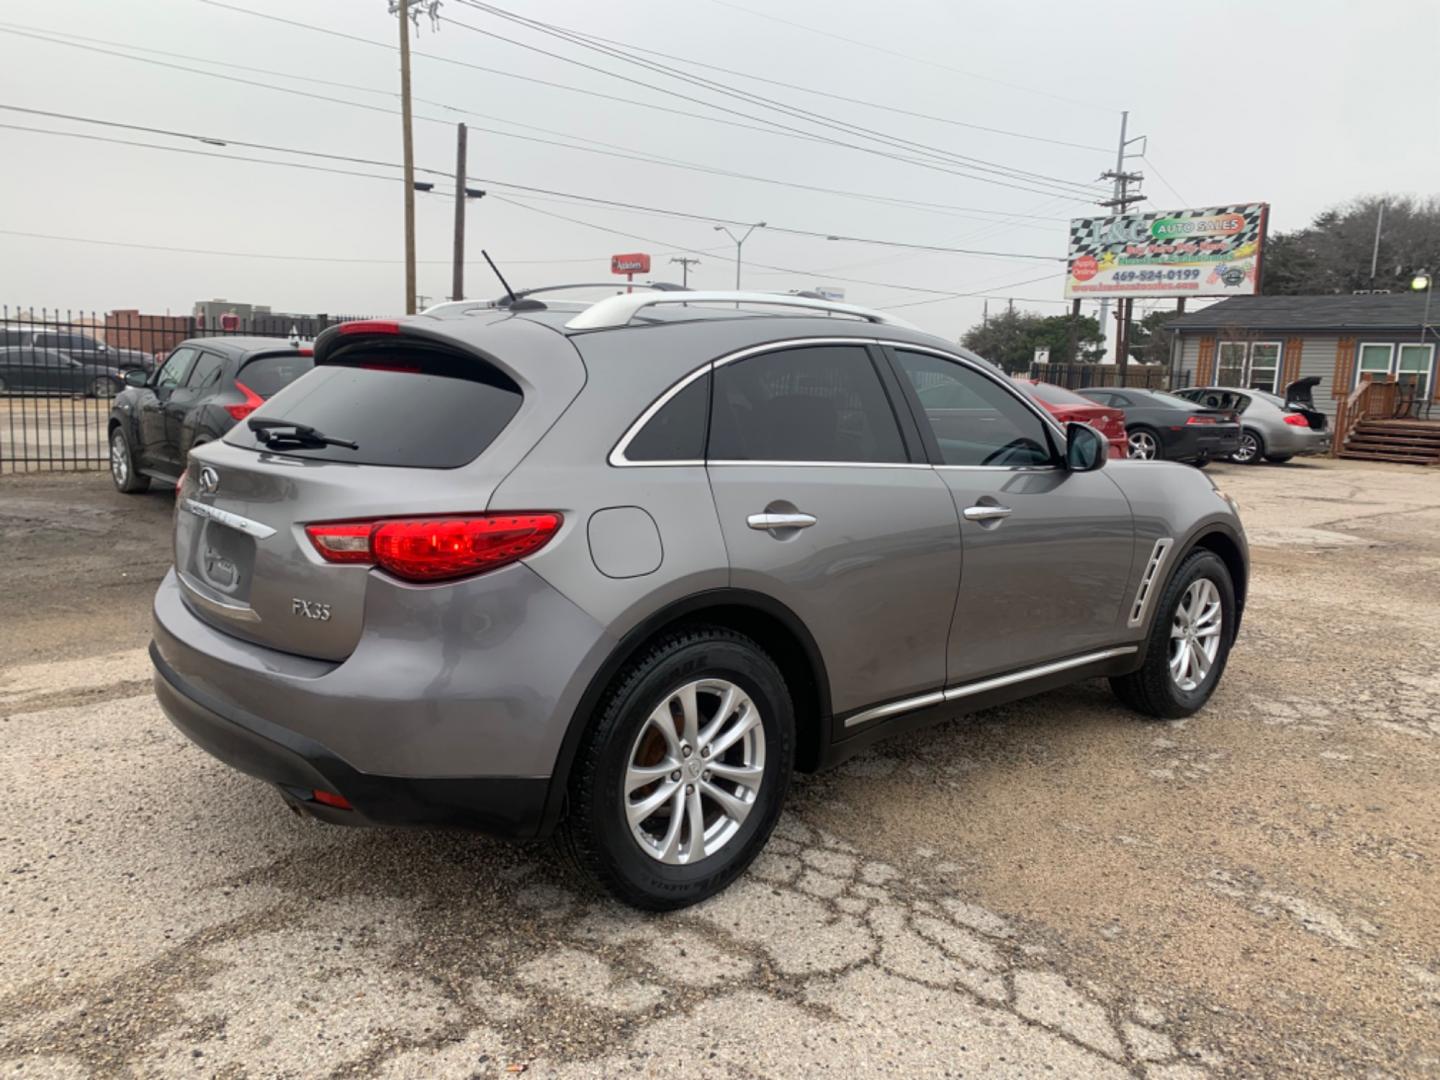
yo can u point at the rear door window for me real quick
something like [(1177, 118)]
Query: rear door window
[(404, 406), (206, 372), (817, 403), (268, 375)]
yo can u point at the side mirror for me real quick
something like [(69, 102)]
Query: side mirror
[(1085, 448), (136, 377)]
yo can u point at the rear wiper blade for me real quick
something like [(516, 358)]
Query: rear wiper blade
[(287, 432)]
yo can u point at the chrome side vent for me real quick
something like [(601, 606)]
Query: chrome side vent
[(1147, 582)]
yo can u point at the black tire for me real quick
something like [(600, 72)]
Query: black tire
[(596, 833), (1152, 690), (1201, 461), (126, 479), (104, 387), (1152, 434), (1252, 448), (1278, 459)]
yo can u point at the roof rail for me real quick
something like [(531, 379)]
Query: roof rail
[(617, 311)]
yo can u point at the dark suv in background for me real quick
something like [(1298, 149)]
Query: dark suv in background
[(204, 388)]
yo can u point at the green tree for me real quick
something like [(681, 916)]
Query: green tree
[(1011, 338), (1332, 253), (1149, 340)]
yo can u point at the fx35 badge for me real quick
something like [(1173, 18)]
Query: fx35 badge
[(311, 609)]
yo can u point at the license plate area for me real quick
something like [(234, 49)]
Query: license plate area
[(222, 560)]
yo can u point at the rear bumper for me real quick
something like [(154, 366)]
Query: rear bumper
[(1288, 439), (504, 806)]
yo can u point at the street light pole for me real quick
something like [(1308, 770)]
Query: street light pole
[(1424, 280), (739, 243)]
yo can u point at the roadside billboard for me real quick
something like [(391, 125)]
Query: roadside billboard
[(1211, 251)]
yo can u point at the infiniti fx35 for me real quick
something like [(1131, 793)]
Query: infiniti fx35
[(617, 570)]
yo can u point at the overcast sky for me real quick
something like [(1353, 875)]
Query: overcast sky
[(1301, 103)]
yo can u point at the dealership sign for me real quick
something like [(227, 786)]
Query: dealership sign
[(635, 263), (1214, 251)]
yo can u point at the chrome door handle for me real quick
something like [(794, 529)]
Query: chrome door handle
[(986, 513), (765, 522)]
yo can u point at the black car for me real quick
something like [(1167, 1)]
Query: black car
[(205, 387), (78, 346), (1163, 426), (28, 370)]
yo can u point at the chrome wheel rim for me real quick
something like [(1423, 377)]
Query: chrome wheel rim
[(119, 460), (1142, 446), (694, 772), (1195, 634), (1248, 449)]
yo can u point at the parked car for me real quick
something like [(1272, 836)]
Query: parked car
[(1271, 427), (28, 370), (204, 388), (619, 568), (1161, 426), (1066, 406), (81, 347)]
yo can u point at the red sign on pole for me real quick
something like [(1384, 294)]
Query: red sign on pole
[(635, 263)]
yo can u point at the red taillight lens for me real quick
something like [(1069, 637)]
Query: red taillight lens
[(329, 798), (243, 409), (1200, 420), (1296, 420), (436, 549), (370, 326)]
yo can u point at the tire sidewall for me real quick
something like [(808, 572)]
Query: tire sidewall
[(753, 672), (1200, 564)]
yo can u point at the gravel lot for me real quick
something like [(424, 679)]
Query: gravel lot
[(1051, 888)]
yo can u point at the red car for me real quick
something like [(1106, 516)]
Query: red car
[(1065, 406)]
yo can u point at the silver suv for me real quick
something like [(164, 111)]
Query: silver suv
[(619, 568)]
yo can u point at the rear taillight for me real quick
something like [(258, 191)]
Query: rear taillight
[(244, 408), (435, 549), (1296, 420), (1200, 420)]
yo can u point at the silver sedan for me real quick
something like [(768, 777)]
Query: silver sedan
[(1271, 428)]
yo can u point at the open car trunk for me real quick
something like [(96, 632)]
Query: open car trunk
[(1300, 398)]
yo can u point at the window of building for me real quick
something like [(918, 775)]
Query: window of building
[(1373, 360)]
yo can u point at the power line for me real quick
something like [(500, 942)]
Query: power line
[(1160, 176), (582, 40), (445, 173), (908, 58)]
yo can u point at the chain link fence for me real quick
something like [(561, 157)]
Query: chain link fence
[(59, 370)]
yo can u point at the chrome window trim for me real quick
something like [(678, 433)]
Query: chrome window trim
[(824, 464), (964, 690), (243, 612), (617, 456)]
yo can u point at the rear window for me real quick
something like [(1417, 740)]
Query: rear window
[(1055, 395), (404, 406), (268, 375)]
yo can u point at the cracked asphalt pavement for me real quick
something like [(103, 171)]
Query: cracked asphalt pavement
[(1051, 888)]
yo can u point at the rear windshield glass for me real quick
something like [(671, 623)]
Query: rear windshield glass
[(267, 375), (402, 406), (1055, 395)]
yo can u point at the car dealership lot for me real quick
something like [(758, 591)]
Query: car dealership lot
[(1054, 887)]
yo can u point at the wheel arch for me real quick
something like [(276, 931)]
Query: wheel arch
[(1231, 552), (772, 625)]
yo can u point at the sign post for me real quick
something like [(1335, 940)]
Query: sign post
[(630, 264)]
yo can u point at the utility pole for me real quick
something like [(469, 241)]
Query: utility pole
[(1375, 251), (457, 273), (408, 138), (685, 264), (1119, 202), (739, 243)]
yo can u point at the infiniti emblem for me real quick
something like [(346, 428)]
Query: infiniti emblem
[(209, 480)]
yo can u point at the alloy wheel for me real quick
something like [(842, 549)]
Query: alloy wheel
[(1249, 448), (694, 771), (1143, 446), (119, 459), (1195, 634)]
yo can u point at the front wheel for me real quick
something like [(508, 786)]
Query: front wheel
[(683, 773), (1144, 445), (122, 466), (103, 388), (1251, 449), (1189, 641)]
